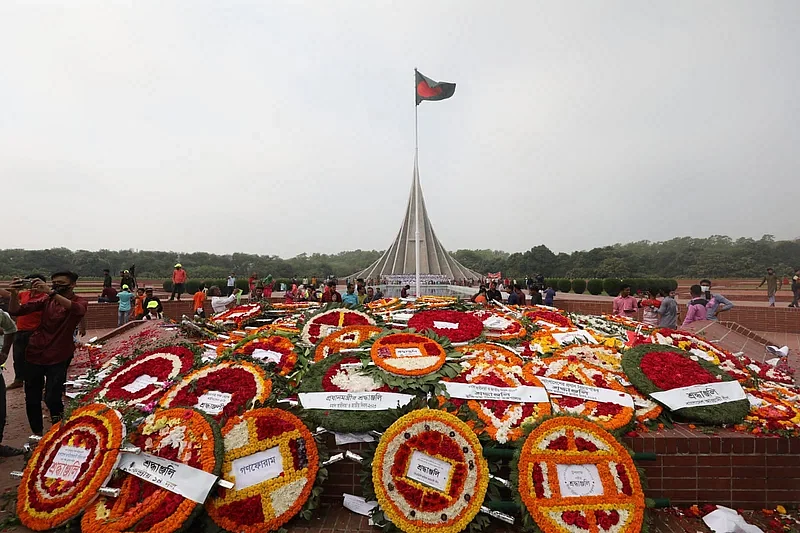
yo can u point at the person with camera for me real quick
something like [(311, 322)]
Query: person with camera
[(51, 345)]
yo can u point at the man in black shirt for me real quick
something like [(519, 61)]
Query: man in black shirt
[(493, 293), (148, 297)]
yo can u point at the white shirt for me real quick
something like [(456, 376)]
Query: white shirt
[(231, 281), (7, 325), (220, 303)]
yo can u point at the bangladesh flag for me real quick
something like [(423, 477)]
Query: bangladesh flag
[(427, 89)]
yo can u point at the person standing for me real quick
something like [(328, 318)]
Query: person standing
[(9, 332), (650, 306), (269, 284), (625, 304), (231, 285), (513, 297), (138, 306), (521, 300), (536, 296), (198, 302), (179, 277), (697, 306), (350, 298), (51, 345), (773, 285), (795, 287), (370, 295), (378, 294), (127, 279), (107, 281), (251, 284), (668, 312), (549, 296), (715, 303), (404, 291), (149, 297), (25, 326), (493, 293), (125, 305), (331, 295)]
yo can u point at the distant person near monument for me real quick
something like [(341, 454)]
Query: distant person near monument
[(773, 285), (625, 304), (179, 277)]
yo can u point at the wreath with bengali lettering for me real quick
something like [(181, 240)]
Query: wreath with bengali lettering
[(655, 368), (499, 326), (571, 476), (454, 325), (278, 444), (221, 390), (408, 354), (275, 351), (433, 302), (502, 420), (608, 415), (74, 459), (238, 315), (343, 373), (140, 380), (181, 435), (332, 319), (548, 318), (428, 473), (542, 342), (346, 338)]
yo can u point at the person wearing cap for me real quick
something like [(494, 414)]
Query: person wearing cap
[(179, 277), (127, 279), (152, 311), (148, 297), (138, 305), (125, 305)]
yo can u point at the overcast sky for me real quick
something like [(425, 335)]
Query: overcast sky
[(286, 127)]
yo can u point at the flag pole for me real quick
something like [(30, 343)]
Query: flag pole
[(416, 180)]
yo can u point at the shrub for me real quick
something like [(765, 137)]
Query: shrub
[(612, 286), (579, 286), (551, 282), (564, 285), (167, 285), (595, 286), (218, 282), (244, 285), (192, 286)]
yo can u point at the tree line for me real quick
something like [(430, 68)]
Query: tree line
[(717, 256)]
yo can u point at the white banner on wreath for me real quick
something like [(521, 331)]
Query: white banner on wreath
[(474, 391), (179, 478), (586, 392), (700, 395), (354, 401)]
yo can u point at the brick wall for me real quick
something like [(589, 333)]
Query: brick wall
[(104, 316), (731, 469)]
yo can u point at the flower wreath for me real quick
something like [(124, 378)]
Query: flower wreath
[(434, 302), (655, 368), (646, 409), (502, 419), (221, 390), (454, 325), (182, 435), (628, 323), (274, 350), (278, 444), (542, 342), (771, 413), (601, 325), (239, 315), (688, 343), (385, 304), (139, 380), (73, 460), (331, 319), (596, 354), (548, 318), (499, 326), (571, 476), (408, 354), (343, 373), (609, 416), (347, 337), (428, 473)]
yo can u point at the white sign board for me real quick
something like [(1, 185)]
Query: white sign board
[(579, 481), (586, 392), (407, 352), (445, 325), (67, 463), (213, 402), (574, 336), (254, 469), (359, 505), (140, 383), (354, 401), (189, 482), (429, 470), (474, 391), (269, 356), (699, 395)]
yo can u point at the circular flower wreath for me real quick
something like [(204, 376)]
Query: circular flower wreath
[(240, 382), (434, 302), (598, 355), (57, 487), (573, 476), (345, 338), (770, 413), (548, 318), (420, 448), (608, 415), (502, 419), (500, 326), (282, 441), (139, 380), (655, 368), (182, 435), (408, 354), (324, 323), (274, 350), (342, 373), (385, 304), (454, 325), (239, 315)]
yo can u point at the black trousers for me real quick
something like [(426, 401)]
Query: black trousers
[(51, 378), (2, 407), (20, 344), (176, 289)]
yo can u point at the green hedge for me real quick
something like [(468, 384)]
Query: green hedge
[(595, 286), (652, 285), (564, 285), (611, 286), (579, 286)]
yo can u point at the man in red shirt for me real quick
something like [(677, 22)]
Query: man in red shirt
[(178, 279), (25, 326), (331, 295), (51, 346)]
